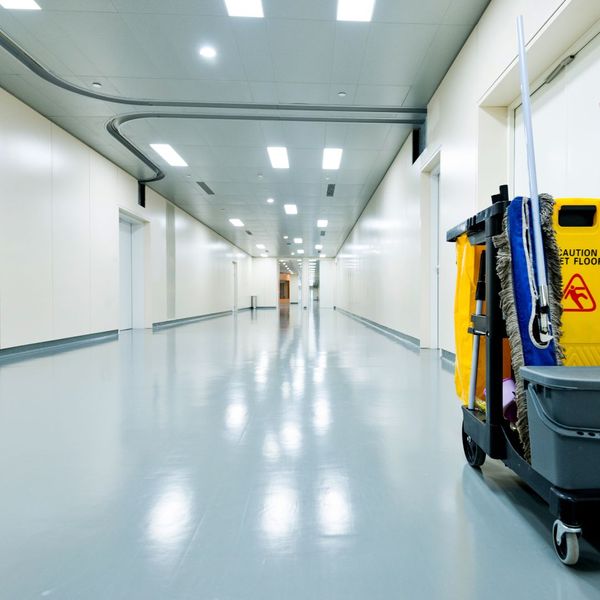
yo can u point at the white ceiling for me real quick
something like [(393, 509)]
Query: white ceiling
[(298, 53)]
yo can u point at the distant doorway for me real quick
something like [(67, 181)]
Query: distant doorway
[(131, 274)]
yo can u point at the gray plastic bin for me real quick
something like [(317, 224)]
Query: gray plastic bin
[(563, 408)]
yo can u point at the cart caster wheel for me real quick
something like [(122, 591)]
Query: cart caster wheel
[(473, 453), (566, 542)]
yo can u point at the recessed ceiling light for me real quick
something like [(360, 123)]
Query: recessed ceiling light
[(300, 251), (318, 247), (323, 255), (279, 157), (355, 10), (285, 237), (207, 52), (293, 254), (342, 94), (167, 152), (245, 8), (332, 158), (322, 223), (265, 255), (270, 200), (260, 246), (96, 84), (20, 4), (236, 222), (290, 209), (297, 240)]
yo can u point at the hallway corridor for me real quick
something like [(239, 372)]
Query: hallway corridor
[(275, 455)]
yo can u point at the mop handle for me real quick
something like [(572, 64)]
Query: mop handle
[(533, 189)]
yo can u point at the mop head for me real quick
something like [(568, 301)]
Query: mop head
[(516, 269)]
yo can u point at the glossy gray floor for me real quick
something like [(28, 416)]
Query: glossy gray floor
[(269, 456)]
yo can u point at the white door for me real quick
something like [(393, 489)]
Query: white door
[(125, 276), (434, 237), (235, 287)]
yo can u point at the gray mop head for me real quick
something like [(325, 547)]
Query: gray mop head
[(509, 309)]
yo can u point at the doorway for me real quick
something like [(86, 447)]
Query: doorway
[(131, 274), (235, 286), (434, 253)]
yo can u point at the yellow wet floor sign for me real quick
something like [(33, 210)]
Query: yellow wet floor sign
[(576, 221)]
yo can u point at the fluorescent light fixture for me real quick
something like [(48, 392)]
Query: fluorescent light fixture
[(20, 4), (245, 8), (322, 223), (236, 222), (285, 237), (290, 209), (300, 251), (293, 254), (260, 246), (355, 10), (279, 157), (318, 247), (167, 152), (264, 255), (270, 200), (208, 52), (332, 158), (297, 240), (323, 255)]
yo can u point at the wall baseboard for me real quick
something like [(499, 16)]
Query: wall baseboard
[(187, 320), (409, 341), (448, 356), (55, 346)]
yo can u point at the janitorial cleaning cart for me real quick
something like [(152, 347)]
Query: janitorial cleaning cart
[(527, 320)]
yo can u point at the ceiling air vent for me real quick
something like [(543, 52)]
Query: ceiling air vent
[(248, 232), (330, 190), (322, 234), (205, 187)]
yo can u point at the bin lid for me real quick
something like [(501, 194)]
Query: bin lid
[(571, 378)]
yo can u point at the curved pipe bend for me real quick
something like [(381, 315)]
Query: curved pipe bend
[(112, 126)]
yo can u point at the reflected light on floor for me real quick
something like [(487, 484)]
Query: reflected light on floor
[(291, 438), (236, 417), (280, 512), (334, 507), (321, 416), (169, 519), (271, 449)]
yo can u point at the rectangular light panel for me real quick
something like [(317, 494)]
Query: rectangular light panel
[(20, 4), (318, 247), (279, 157), (260, 246), (245, 8), (355, 10), (322, 223), (300, 251), (168, 154), (236, 222), (297, 240), (332, 158), (290, 209)]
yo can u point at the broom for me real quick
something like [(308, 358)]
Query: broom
[(528, 266)]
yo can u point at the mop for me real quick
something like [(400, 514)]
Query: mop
[(528, 265)]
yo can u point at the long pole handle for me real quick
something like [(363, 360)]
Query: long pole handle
[(538, 246)]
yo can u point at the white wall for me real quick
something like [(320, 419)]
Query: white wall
[(265, 281), (59, 220), (378, 273), (468, 128), (327, 283), (294, 292)]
